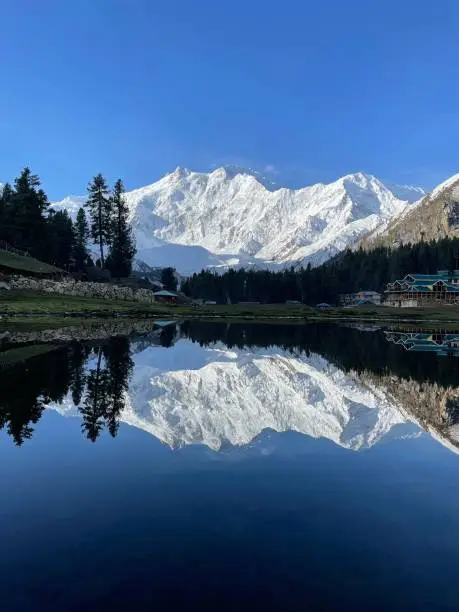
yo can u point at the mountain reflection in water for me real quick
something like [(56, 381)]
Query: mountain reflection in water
[(221, 385)]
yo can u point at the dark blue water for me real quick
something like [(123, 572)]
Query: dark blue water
[(356, 509)]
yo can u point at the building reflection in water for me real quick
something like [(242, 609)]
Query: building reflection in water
[(442, 343)]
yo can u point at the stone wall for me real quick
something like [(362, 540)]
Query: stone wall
[(91, 330), (82, 289)]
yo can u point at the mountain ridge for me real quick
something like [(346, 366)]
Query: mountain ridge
[(233, 217), (433, 217)]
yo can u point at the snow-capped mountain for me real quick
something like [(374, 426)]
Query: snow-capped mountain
[(233, 217), (433, 217), (192, 395)]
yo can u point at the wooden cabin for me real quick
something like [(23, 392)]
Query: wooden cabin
[(166, 297)]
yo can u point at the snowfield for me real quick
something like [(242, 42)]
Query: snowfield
[(192, 220)]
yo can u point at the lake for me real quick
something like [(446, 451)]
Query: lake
[(230, 467)]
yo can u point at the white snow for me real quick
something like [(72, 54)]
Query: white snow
[(234, 217), (442, 186), (410, 193), (71, 204)]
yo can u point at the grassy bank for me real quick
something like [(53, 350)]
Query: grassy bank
[(36, 303), (45, 309), (21, 263)]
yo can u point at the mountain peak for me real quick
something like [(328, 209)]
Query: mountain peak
[(407, 193), (429, 218), (180, 172), (232, 170), (362, 181), (358, 177), (449, 182)]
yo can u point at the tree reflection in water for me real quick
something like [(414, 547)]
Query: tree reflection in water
[(106, 387), (27, 387)]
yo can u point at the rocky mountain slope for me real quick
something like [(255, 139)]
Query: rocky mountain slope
[(233, 217), (435, 216)]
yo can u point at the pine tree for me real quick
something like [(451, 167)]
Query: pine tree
[(169, 279), (99, 205), (5, 212), (27, 209), (81, 237), (122, 249), (186, 288), (61, 238)]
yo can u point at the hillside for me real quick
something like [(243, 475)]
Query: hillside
[(435, 216), (20, 263), (234, 217)]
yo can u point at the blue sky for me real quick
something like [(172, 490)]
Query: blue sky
[(307, 90)]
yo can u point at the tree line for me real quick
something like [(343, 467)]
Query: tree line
[(349, 349), (95, 375), (28, 223), (348, 272)]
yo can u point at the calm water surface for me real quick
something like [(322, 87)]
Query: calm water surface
[(231, 467)]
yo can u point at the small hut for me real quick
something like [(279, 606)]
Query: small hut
[(166, 297)]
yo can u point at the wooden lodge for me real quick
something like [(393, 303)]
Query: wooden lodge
[(424, 290)]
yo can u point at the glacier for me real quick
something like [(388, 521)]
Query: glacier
[(233, 217)]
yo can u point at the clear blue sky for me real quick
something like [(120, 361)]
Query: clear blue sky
[(311, 90)]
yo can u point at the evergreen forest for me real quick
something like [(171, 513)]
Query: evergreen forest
[(29, 225)]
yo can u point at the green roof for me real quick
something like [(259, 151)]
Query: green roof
[(424, 283), (424, 278), (449, 273), (164, 293)]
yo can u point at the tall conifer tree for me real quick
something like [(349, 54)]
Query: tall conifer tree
[(27, 214), (122, 247), (61, 238), (5, 212), (99, 205), (169, 279), (81, 238)]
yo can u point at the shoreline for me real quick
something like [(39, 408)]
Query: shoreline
[(43, 321), (38, 310)]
